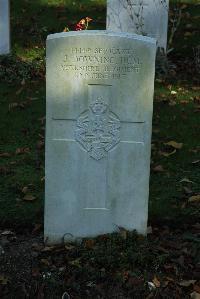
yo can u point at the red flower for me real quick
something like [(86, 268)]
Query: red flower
[(83, 24), (79, 27)]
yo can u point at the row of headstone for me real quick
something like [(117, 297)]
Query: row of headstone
[(144, 17), (98, 125), (4, 27)]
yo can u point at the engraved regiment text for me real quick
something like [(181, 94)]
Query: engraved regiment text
[(101, 63)]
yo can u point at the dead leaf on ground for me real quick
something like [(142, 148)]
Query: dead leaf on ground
[(185, 180), (25, 189), (165, 154), (76, 262), (7, 233), (32, 99), (195, 295), (89, 244), (186, 283), (194, 198), (45, 262), (48, 248), (196, 288), (174, 144), (158, 168), (22, 150), (156, 282), (29, 197), (122, 232), (66, 29), (188, 33), (184, 102), (69, 247), (196, 162), (35, 272)]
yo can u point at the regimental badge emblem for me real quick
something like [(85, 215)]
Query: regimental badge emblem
[(98, 129)]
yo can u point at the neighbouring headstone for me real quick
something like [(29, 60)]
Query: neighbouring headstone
[(145, 17), (98, 133), (4, 27)]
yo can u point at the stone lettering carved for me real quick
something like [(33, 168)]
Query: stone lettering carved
[(98, 129)]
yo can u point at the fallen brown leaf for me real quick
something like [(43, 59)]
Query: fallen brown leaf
[(29, 197), (158, 168), (196, 162), (7, 233), (48, 248), (188, 33), (75, 263), (89, 244), (194, 198), (165, 154), (186, 283), (156, 282), (22, 150), (45, 262), (184, 102), (25, 189), (185, 180), (69, 247), (174, 144), (195, 295), (196, 288), (35, 272)]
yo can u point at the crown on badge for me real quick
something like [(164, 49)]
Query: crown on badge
[(99, 106)]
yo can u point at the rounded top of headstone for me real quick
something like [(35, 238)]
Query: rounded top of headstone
[(102, 33)]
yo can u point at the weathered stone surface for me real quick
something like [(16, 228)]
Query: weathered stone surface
[(4, 27), (98, 133), (145, 17)]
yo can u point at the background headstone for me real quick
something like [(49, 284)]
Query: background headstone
[(4, 27), (145, 17), (98, 133)]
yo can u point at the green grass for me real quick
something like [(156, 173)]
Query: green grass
[(181, 123), (22, 127)]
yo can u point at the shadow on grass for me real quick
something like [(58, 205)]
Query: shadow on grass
[(32, 21)]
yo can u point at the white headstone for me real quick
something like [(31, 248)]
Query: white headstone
[(4, 27), (98, 133), (145, 17)]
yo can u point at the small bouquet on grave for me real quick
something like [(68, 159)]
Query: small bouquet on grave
[(81, 25)]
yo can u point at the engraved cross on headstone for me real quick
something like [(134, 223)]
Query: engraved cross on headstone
[(97, 131)]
